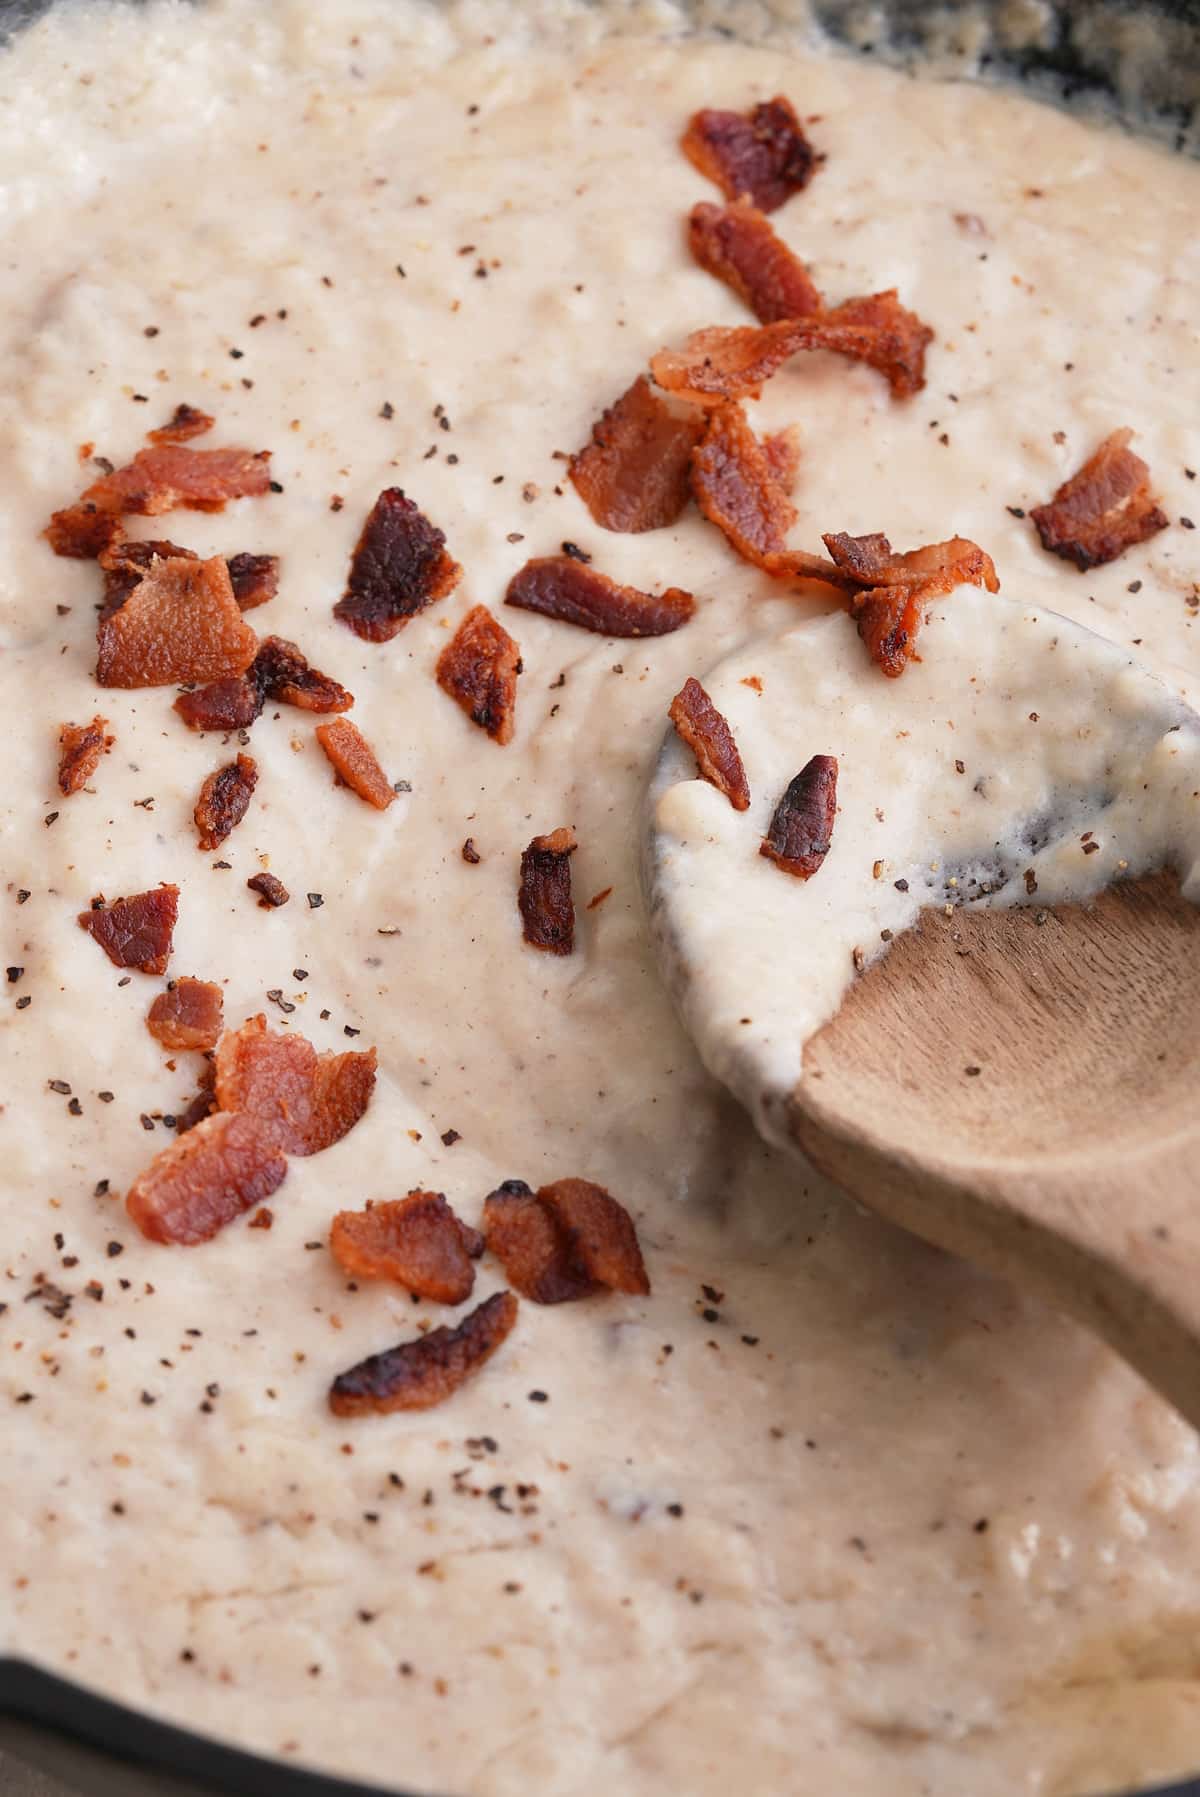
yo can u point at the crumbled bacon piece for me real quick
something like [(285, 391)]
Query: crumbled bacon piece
[(136, 931), (889, 619), (185, 422), (732, 363), (180, 622), (739, 246), (354, 762), (310, 1100), (633, 475), (186, 1015), (202, 1106), (558, 586), (782, 450), (416, 1241), (80, 749), (763, 153), (399, 566), (272, 891), (223, 1166), (421, 1373), (564, 1242), (224, 800), (736, 486), (1103, 509), (710, 739), (254, 579), (279, 672), (159, 479), (479, 668), (801, 830), (125, 563), (544, 896)]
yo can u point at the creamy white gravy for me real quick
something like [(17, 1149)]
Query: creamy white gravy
[(929, 1537), (1020, 760)]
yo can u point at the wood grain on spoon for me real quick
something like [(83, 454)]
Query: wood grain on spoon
[(1020, 1086)]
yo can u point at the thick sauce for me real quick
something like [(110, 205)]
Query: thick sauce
[(829, 1510)]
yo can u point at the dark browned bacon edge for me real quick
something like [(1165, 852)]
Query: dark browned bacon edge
[(426, 1371), (701, 726), (574, 592), (633, 474), (544, 894), (399, 566), (224, 800), (739, 246), (80, 749), (1103, 509), (763, 153), (279, 673), (478, 668), (801, 829)]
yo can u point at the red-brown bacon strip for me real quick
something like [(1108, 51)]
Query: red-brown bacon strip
[(279, 672), (479, 668), (80, 748), (738, 245), (254, 578), (801, 830), (732, 363), (736, 486), (710, 739), (224, 800), (159, 479), (184, 423), (558, 586), (1103, 509), (633, 475), (187, 1015), (399, 566), (416, 1241), (421, 1373), (222, 1166), (763, 153), (310, 1100), (136, 931), (544, 895), (564, 1242), (354, 761), (180, 622)]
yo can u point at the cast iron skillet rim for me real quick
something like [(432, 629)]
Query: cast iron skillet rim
[(57, 1708)]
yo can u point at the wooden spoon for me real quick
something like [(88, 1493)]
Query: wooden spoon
[(1038, 1110)]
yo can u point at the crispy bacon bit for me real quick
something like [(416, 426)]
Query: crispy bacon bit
[(418, 1374), (479, 668), (158, 480), (558, 586), (272, 892), (202, 1105), (80, 749), (633, 475), (125, 563), (254, 578), (417, 1241), (736, 487), (763, 153), (782, 450), (310, 1100), (279, 672), (186, 1015), (710, 739), (802, 828), (224, 800), (399, 566), (185, 422), (180, 622), (888, 593), (262, 1219), (354, 762), (223, 1166), (721, 363), (136, 931), (1103, 509), (544, 896), (565, 1242), (738, 245)]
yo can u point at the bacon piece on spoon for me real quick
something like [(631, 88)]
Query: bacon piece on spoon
[(738, 245), (763, 153), (418, 1374), (1103, 509), (706, 733), (559, 586), (633, 475), (801, 829)]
